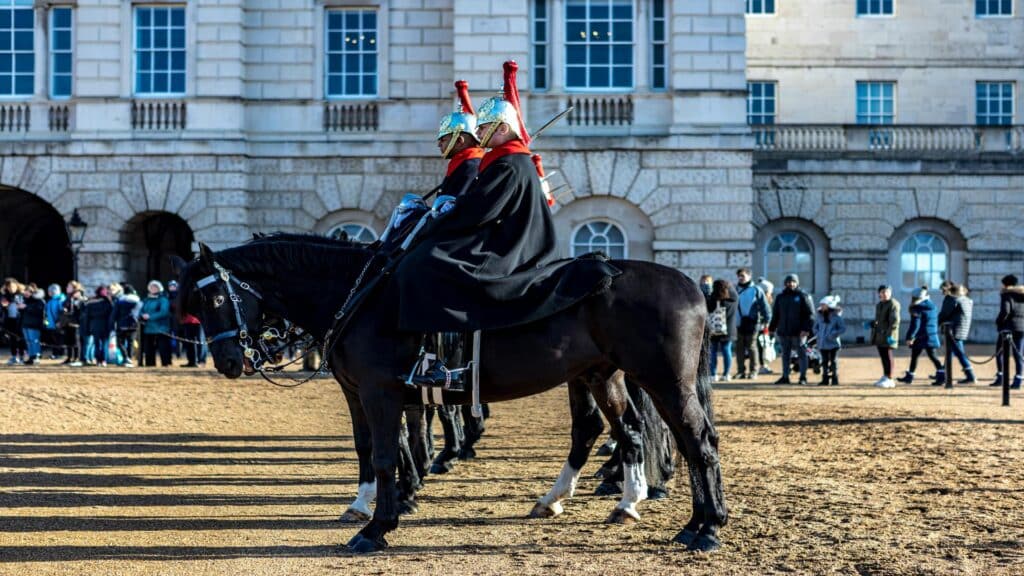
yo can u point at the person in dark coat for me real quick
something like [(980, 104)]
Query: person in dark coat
[(487, 263), (70, 323), (792, 319), (754, 313), (125, 320), (458, 143), (12, 296), (955, 316), (33, 319), (722, 305), (96, 324), (52, 336), (923, 335), (1011, 319)]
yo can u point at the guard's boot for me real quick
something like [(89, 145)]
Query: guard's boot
[(907, 378), (447, 370)]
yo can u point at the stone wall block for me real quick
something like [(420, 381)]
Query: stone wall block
[(759, 218), (53, 187), (627, 164), (644, 183), (327, 190), (701, 260), (134, 192), (672, 159), (671, 214), (667, 258), (194, 204), (600, 166), (949, 204), (231, 215), (656, 201), (350, 189), (692, 177), (907, 202), (768, 200), (118, 204), (241, 198), (789, 202), (74, 164), (37, 172), (177, 191), (373, 189), (723, 159), (737, 259), (811, 204), (155, 185), (680, 231), (232, 164), (94, 181), (313, 206), (574, 168), (928, 202)]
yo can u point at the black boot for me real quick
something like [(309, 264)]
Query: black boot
[(968, 378), (447, 371)]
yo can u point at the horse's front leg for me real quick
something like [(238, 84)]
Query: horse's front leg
[(383, 407), (446, 460), (360, 509), (587, 425)]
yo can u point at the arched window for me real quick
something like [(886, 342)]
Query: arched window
[(924, 261), (599, 235), (356, 232), (789, 252)]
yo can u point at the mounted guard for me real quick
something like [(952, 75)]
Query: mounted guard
[(457, 140), (492, 261)]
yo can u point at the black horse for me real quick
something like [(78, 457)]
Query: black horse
[(649, 325)]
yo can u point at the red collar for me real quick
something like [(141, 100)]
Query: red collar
[(461, 156), (511, 147)]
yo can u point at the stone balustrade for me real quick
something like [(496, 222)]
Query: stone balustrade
[(888, 138)]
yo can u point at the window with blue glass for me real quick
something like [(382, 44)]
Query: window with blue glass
[(760, 6), (541, 24), (351, 59), (60, 52), (761, 102), (659, 46), (875, 7), (993, 7), (160, 50), (875, 102), (994, 103), (17, 48), (599, 44)]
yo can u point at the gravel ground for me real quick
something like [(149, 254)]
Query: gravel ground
[(117, 471)]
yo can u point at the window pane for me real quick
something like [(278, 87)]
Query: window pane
[(160, 17), (160, 84), (178, 17), (178, 82), (24, 85), (62, 85), (23, 40), (599, 55), (622, 77), (576, 76)]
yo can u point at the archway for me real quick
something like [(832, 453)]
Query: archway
[(34, 243), (151, 238)]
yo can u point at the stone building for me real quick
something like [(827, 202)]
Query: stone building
[(888, 146), (164, 123)]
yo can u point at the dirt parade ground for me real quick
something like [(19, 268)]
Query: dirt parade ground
[(168, 471)]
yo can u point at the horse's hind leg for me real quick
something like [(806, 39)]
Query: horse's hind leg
[(587, 425), (474, 428), (445, 461), (408, 478), (416, 424), (359, 510), (611, 396)]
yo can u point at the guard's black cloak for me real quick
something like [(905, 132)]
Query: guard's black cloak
[(492, 261), (461, 176)]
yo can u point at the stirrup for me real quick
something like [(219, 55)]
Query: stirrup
[(439, 376)]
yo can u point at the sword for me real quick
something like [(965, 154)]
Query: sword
[(554, 119)]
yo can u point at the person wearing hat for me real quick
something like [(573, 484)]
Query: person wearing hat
[(792, 319), (923, 335), (1011, 319), (885, 333), (458, 143), (487, 263), (155, 315), (955, 316), (828, 327), (765, 344)]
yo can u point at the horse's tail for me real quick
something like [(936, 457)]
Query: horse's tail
[(704, 378)]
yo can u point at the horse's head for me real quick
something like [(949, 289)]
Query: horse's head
[(227, 307)]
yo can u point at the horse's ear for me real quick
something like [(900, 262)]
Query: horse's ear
[(205, 254), (177, 264)]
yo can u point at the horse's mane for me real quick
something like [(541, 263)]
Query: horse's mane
[(288, 266)]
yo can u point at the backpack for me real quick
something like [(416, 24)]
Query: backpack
[(717, 322)]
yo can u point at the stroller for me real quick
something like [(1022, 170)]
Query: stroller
[(813, 357)]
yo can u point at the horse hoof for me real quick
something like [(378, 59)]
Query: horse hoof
[(467, 454), (620, 516), (407, 507), (360, 544), (542, 510), (704, 543), (685, 537), (443, 466), (353, 516), (608, 489)]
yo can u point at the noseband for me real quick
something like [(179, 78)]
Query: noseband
[(242, 331)]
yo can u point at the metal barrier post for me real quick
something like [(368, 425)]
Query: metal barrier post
[(949, 356), (1005, 368)]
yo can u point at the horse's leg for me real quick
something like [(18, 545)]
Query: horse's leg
[(613, 400), (687, 411), (359, 510), (474, 428), (428, 430), (446, 460), (416, 422), (587, 425), (383, 406), (408, 479)]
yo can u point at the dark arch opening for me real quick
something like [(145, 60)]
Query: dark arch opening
[(151, 238), (34, 243)]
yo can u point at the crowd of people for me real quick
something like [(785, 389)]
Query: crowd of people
[(752, 322), (113, 325)]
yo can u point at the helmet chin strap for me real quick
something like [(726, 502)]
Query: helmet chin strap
[(489, 134), (451, 145)]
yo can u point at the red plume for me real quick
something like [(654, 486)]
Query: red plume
[(512, 96), (540, 172), (462, 88)]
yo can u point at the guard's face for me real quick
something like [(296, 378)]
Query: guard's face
[(442, 142)]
